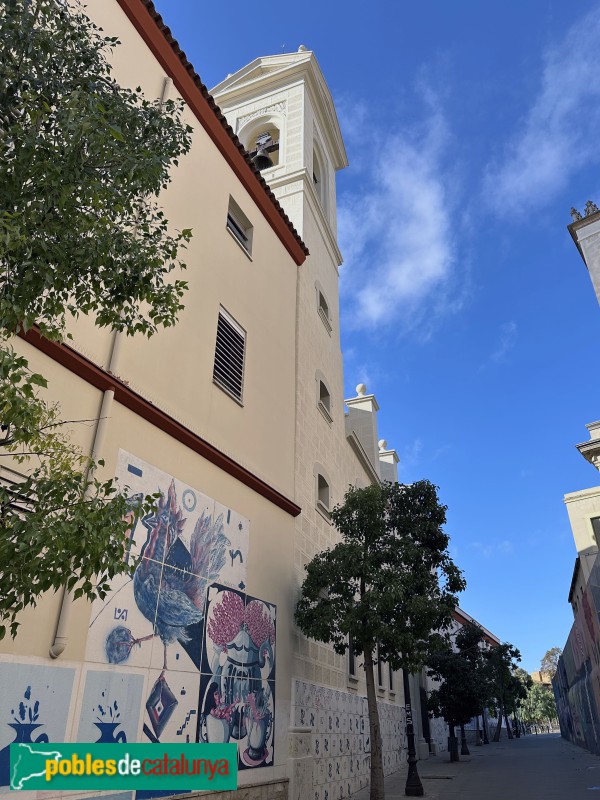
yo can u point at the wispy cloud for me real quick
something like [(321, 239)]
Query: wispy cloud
[(508, 339), (396, 233), (559, 133), (495, 548)]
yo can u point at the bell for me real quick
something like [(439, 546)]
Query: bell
[(262, 160)]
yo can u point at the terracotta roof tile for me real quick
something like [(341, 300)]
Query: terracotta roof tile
[(166, 31)]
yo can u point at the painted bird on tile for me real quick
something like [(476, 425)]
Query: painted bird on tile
[(170, 580)]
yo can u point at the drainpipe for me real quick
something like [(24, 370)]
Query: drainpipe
[(61, 637)]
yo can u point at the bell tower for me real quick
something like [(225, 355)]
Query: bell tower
[(282, 111)]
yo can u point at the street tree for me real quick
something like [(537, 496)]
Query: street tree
[(505, 690), (549, 662), (82, 162), (463, 690), (539, 707), (384, 588)]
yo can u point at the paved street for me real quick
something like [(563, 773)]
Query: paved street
[(543, 767)]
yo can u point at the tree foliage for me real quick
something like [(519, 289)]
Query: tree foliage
[(549, 662), (539, 705), (506, 687), (464, 685), (388, 584), (82, 161)]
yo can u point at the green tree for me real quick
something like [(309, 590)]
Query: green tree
[(539, 706), (463, 679), (549, 663), (82, 161), (386, 585), (506, 688)]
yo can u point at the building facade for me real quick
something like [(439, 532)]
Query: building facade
[(237, 417)]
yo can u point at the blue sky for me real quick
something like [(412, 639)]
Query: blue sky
[(471, 129)]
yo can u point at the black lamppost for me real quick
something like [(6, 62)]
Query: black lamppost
[(414, 787)]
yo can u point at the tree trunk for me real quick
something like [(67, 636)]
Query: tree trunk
[(452, 742), (517, 727), (484, 723), (499, 725), (508, 730), (464, 749), (377, 783), (478, 739)]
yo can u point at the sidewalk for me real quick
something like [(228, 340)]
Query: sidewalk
[(544, 767)]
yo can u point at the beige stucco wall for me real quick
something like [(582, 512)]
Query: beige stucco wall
[(581, 507), (174, 368)]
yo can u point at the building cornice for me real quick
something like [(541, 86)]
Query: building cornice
[(362, 456), (85, 369), (463, 618), (158, 38), (575, 227), (306, 68), (576, 569)]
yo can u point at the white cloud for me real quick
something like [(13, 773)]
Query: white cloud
[(559, 133), (396, 233), (508, 339), (490, 549)]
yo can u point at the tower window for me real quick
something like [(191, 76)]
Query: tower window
[(228, 372), (239, 226), (323, 494), (596, 528), (323, 310)]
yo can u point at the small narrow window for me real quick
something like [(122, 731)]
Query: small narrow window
[(596, 528), (379, 670), (323, 310), (230, 350), (324, 397), (239, 226), (324, 403), (351, 659), (322, 493), (391, 677)]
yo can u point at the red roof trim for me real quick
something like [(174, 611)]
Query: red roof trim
[(100, 379), (157, 36)]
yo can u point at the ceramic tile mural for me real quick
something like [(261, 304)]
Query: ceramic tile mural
[(35, 706), (237, 693), (110, 707), (438, 731), (341, 743), (175, 653)]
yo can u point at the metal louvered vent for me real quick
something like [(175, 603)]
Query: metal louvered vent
[(229, 356), (10, 496)]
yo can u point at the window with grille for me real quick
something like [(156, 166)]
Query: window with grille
[(230, 350), (239, 226)]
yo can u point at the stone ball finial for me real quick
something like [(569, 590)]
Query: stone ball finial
[(361, 390), (382, 445), (302, 49)]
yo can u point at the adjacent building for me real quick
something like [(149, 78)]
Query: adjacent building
[(237, 417)]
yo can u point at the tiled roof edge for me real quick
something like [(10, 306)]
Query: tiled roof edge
[(166, 31)]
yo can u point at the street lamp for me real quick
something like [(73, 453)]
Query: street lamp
[(414, 787)]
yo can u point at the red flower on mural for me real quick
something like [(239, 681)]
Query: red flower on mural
[(229, 614)]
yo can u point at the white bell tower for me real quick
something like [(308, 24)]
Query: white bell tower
[(286, 97)]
